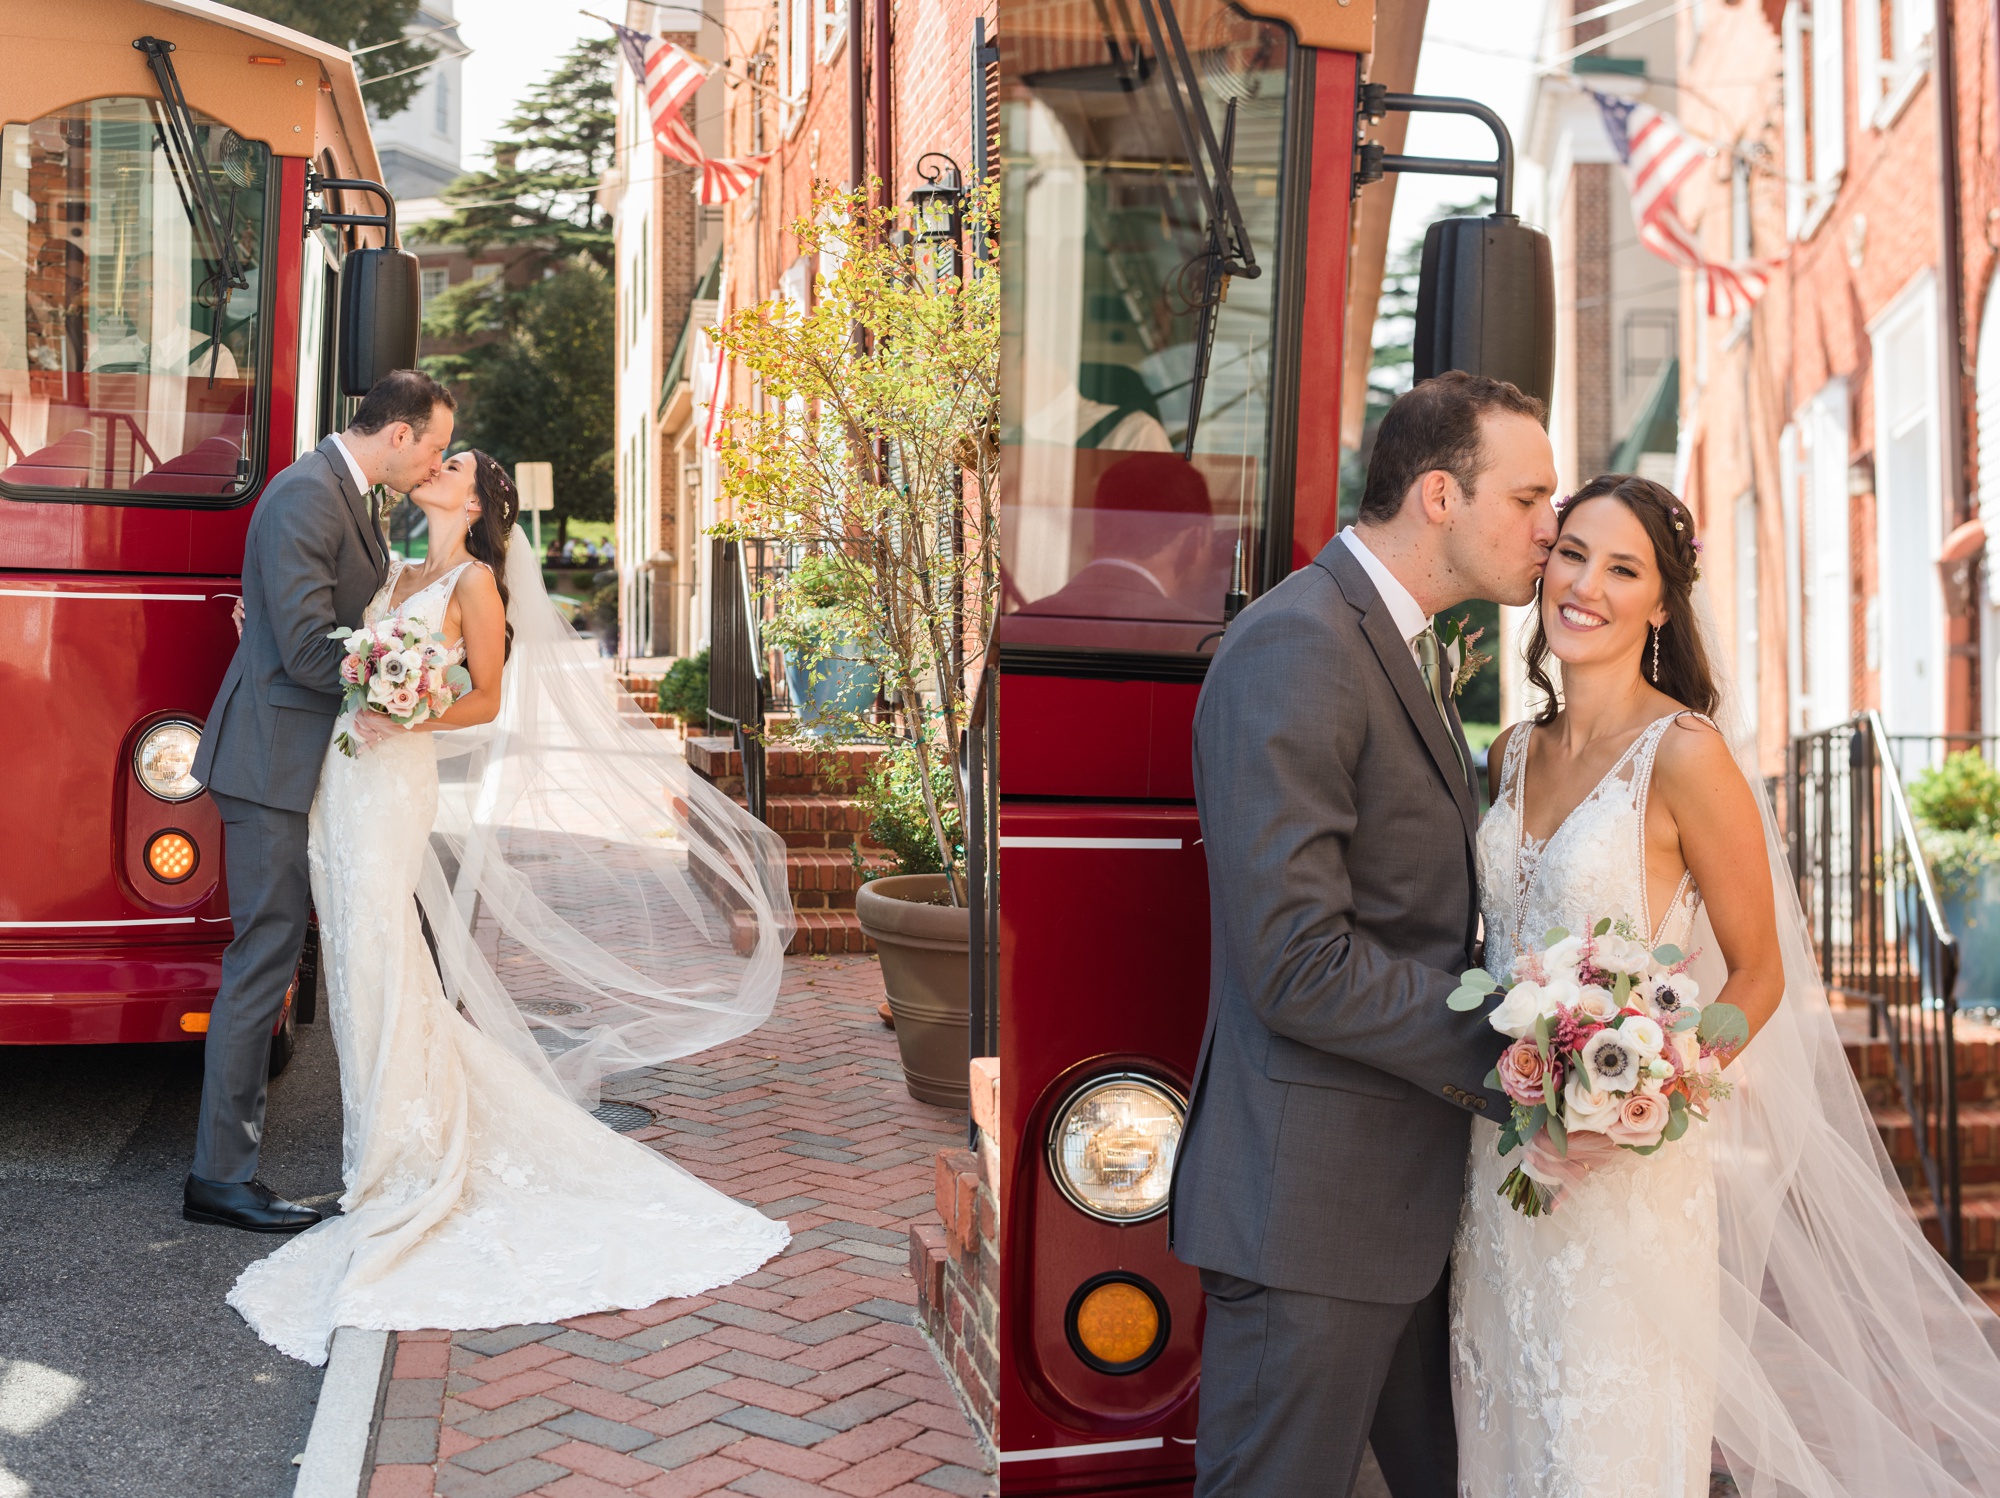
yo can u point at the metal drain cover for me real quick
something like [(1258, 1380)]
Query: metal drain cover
[(552, 1007), (623, 1117)]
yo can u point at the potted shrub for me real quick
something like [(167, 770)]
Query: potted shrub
[(683, 693), (1957, 808), (826, 671), (874, 449), (923, 935)]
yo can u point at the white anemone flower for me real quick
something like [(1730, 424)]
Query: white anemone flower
[(1612, 1062)]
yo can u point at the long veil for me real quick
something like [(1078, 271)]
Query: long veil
[(1850, 1362), (595, 906)]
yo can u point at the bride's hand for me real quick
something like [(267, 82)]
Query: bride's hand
[(370, 728), (1587, 1151)]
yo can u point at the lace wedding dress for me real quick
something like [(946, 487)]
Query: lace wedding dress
[(1565, 1382), (476, 1194)]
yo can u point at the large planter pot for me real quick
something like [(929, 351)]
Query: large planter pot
[(926, 966), (1973, 914), (842, 686)]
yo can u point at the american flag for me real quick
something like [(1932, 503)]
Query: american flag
[(670, 75), (1659, 156)]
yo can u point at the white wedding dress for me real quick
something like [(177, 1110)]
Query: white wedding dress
[(1567, 1380), (477, 1195)]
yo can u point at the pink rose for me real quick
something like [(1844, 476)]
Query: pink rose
[(350, 670), (1641, 1118), (1523, 1073)]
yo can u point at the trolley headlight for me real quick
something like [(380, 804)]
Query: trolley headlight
[(1112, 1148), (164, 761)]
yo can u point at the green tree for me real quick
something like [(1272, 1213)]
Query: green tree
[(536, 382), (359, 23), (541, 195)]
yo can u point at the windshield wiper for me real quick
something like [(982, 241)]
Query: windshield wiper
[(1228, 252), (192, 180)]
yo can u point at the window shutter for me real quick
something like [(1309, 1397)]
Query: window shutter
[(1829, 101), (1797, 168)]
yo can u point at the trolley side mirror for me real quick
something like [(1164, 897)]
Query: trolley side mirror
[(1486, 303), (381, 307)]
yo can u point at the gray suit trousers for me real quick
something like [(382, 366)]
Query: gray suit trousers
[(1293, 1384), (270, 896)]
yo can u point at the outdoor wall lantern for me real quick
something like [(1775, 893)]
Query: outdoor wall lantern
[(937, 209)]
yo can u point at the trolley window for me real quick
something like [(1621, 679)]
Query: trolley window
[(131, 306), (1109, 539)]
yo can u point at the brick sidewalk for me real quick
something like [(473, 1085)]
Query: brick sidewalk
[(808, 1377)]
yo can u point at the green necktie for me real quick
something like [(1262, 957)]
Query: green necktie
[(1429, 663)]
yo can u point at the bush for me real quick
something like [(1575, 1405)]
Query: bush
[(1958, 806), (893, 795), (684, 691), (1960, 795)]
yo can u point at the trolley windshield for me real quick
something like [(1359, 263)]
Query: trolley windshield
[(1110, 539), (131, 299)]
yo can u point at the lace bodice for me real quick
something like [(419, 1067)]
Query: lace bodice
[(1590, 867)]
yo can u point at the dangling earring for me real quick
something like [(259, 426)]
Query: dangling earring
[(1657, 628)]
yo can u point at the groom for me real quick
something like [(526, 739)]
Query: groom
[(313, 559), (1318, 1186)]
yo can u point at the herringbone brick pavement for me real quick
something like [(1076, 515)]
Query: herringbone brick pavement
[(808, 1377)]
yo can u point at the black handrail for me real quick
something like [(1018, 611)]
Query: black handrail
[(739, 680), (1879, 932)]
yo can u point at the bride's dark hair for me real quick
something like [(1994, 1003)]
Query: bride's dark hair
[(1685, 672), (486, 537)]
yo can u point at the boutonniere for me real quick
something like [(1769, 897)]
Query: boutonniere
[(1458, 642)]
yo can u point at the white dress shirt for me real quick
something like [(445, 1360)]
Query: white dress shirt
[(1411, 620), (361, 479)]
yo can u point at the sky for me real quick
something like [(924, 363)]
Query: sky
[(1474, 48)]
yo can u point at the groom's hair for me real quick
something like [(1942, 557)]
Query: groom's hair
[(1436, 426), (401, 395)]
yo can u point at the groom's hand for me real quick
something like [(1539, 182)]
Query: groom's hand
[(236, 617)]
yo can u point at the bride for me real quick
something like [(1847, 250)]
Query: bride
[(1757, 1288), (478, 1192)]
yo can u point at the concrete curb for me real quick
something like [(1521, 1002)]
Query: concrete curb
[(336, 1457)]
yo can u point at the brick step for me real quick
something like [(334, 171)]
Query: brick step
[(819, 932), (1978, 1047), (1978, 1143), (639, 686), (826, 878), (1982, 1233)]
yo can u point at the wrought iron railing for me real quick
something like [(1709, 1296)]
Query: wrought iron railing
[(1918, 752), (739, 672), (1879, 931)]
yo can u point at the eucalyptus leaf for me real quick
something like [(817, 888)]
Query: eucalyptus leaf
[(1555, 934), (1602, 927), (1558, 1135), (1532, 1124), (1646, 1149), (1687, 1019), (1493, 1080), (1677, 1103), (1621, 986), (1676, 1126), (1723, 1026), (1462, 999), (1478, 978), (1668, 955)]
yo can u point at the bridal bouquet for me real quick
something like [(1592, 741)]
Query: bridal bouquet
[(398, 668), (1612, 1049)]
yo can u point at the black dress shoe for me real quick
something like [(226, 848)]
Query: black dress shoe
[(250, 1205)]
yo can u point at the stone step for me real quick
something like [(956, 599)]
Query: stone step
[(1978, 1143)]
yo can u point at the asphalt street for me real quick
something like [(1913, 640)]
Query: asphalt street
[(122, 1372)]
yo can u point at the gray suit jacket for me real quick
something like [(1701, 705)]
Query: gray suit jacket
[(312, 561), (1326, 1141)]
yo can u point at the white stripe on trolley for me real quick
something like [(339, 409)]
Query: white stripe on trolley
[(1169, 843), (141, 597), (1100, 1448), (168, 920)]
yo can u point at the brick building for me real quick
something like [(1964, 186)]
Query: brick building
[(787, 86), (1829, 436)]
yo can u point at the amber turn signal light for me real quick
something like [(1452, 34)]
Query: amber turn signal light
[(171, 856), (1117, 1323), (195, 1022)]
